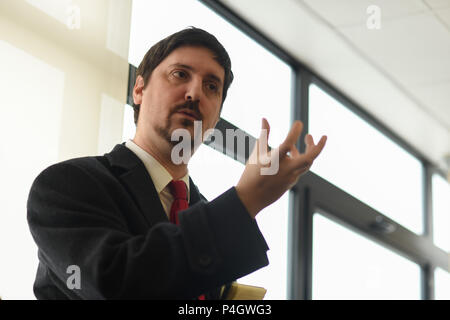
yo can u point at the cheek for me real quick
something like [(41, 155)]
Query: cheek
[(215, 113), (209, 122), (170, 97), (160, 101)]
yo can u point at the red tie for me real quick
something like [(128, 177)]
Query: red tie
[(179, 192)]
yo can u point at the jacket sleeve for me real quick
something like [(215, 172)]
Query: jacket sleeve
[(75, 221)]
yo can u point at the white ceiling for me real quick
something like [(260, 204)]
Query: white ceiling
[(399, 73), (412, 46)]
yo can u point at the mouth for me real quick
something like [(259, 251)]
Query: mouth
[(189, 114)]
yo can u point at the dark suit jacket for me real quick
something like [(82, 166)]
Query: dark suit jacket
[(103, 214)]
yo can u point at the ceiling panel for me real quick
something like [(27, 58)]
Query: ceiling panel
[(436, 4), (359, 72), (436, 98), (353, 12), (444, 15), (405, 49)]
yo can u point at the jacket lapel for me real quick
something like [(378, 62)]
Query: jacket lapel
[(134, 176), (130, 170)]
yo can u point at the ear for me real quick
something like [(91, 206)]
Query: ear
[(137, 90)]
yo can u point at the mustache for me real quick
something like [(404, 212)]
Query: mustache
[(192, 106)]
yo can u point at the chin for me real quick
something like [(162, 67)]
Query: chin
[(187, 123)]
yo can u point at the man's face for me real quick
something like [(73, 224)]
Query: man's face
[(186, 86)]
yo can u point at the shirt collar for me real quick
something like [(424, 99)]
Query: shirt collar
[(160, 176)]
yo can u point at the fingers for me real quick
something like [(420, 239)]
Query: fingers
[(261, 145), (309, 141), (291, 138), (294, 152), (265, 125), (265, 130), (298, 162), (304, 161), (314, 150)]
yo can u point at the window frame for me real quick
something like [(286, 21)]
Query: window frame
[(314, 194)]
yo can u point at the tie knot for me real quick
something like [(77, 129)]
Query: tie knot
[(178, 189)]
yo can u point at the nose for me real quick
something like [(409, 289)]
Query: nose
[(193, 90)]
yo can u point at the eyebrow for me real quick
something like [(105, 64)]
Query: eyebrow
[(185, 66)]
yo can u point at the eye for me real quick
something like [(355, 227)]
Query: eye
[(212, 86), (180, 74)]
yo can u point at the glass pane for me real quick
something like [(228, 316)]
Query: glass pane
[(441, 212), (365, 163), (441, 284), (261, 88), (129, 128), (347, 265)]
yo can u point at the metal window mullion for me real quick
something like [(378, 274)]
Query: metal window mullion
[(427, 271), (301, 112), (300, 245), (300, 214), (131, 81), (365, 220)]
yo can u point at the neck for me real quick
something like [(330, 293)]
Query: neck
[(161, 150)]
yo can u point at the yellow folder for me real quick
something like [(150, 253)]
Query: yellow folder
[(239, 291)]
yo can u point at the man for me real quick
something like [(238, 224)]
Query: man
[(110, 227)]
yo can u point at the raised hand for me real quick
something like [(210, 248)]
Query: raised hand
[(258, 187)]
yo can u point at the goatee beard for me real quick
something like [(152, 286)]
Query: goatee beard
[(164, 131)]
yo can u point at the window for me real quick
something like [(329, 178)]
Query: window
[(441, 212), (347, 265), (129, 128), (359, 159), (261, 88), (362, 161), (442, 284)]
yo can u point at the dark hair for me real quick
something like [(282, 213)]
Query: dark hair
[(187, 37)]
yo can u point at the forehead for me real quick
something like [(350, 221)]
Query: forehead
[(198, 58)]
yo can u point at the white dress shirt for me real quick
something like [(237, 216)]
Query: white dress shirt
[(160, 176)]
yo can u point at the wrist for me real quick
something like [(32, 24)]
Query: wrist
[(248, 201)]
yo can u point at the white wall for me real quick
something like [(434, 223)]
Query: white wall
[(62, 94)]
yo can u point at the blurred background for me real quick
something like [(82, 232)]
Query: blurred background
[(372, 218)]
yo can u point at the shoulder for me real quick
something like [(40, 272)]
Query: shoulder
[(73, 170)]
